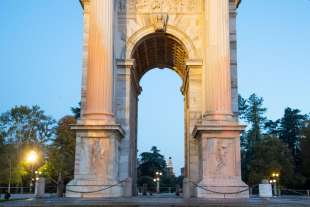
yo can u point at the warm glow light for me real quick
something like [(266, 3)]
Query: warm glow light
[(32, 157)]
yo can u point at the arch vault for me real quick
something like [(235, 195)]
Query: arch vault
[(123, 39)]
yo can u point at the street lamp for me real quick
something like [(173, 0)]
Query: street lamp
[(157, 179), (274, 180), (32, 158)]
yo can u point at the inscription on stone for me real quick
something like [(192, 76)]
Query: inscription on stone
[(159, 6)]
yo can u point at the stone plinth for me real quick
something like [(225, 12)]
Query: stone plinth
[(96, 161), (220, 166), (265, 190), (40, 187)]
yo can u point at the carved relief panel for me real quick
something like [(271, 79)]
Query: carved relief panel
[(220, 157)]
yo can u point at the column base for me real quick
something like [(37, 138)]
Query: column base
[(220, 165), (92, 189), (96, 172)]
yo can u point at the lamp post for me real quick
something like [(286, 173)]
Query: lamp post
[(32, 158), (157, 180), (274, 180)]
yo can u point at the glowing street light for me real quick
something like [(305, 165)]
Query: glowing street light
[(32, 157), (274, 179), (157, 179)]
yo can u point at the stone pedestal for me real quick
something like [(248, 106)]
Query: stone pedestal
[(187, 188), (96, 161), (220, 168), (40, 188), (265, 190)]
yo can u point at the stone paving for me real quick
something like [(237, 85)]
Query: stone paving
[(152, 201)]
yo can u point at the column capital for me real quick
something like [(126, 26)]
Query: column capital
[(130, 69), (194, 62), (126, 63)]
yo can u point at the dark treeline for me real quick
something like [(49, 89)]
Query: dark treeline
[(269, 146)]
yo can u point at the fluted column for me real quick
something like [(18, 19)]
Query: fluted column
[(217, 74), (99, 84)]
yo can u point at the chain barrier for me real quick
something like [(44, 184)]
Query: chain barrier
[(217, 192), (295, 191), (96, 191)]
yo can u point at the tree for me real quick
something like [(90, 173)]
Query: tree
[(26, 125), (269, 155), (76, 111), (255, 117), (305, 153), (22, 128), (150, 162), (291, 126), (272, 128), (61, 154), (242, 107)]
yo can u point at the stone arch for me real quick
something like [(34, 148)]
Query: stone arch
[(159, 50), (171, 30)]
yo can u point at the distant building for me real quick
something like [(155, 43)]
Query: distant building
[(170, 167)]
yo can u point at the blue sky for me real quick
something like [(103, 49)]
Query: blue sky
[(41, 58)]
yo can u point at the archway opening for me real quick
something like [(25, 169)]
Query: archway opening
[(160, 50), (161, 103)]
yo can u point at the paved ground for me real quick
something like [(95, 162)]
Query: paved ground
[(152, 201)]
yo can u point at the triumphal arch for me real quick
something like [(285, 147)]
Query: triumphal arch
[(124, 39)]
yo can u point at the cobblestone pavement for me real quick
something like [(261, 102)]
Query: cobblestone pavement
[(160, 201)]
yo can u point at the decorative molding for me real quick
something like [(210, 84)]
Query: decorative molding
[(160, 6), (194, 62)]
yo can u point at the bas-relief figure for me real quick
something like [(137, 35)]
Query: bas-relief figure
[(221, 156), (140, 36), (93, 155)]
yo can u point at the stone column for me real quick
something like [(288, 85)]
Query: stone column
[(217, 73), (218, 132), (98, 137), (99, 83)]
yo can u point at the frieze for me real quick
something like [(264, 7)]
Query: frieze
[(160, 6)]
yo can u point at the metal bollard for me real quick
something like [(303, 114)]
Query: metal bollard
[(308, 193)]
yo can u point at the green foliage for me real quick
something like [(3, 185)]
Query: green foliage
[(251, 110), (269, 146), (290, 129), (269, 155), (305, 153), (22, 129), (76, 111), (25, 125), (61, 152), (149, 164)]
